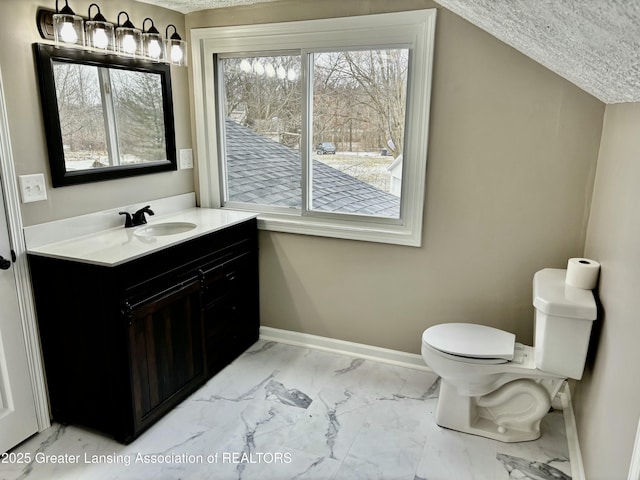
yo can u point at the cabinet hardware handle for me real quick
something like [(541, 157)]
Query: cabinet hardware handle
[(126, 312), (203, 285), (178, 287)]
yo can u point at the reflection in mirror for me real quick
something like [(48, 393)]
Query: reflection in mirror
[(104, 119), (108, 117)]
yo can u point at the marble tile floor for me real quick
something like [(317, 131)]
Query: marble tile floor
[(284, 412)]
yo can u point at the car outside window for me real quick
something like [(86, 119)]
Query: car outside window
[(325, 148)]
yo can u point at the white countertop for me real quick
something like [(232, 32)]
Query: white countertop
[(115, 246)]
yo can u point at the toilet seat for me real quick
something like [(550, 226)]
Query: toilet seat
[(476, 361), (467, 342)]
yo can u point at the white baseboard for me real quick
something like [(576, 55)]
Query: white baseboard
[(368, 352), (577, 467)]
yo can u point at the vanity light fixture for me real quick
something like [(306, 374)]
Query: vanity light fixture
[(97, 34), (175, 48), (128, 38), (68, 28), (152, 44), (100, 33)]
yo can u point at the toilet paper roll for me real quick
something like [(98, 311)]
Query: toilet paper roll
[(582, 273)]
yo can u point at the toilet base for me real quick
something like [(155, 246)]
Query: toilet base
[(512, 413)]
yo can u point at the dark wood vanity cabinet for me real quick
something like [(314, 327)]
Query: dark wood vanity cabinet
[(124, 344)]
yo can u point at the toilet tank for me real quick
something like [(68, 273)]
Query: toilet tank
[(564, 317)]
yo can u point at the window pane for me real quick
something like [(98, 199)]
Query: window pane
[(359, 105), (81, 120), (137, 98), (262, 114)]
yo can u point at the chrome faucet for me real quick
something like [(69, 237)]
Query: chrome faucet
[(137, 218)]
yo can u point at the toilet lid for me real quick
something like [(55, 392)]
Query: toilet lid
[(470, 340)]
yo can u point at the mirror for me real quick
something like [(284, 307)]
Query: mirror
[(105, 116)]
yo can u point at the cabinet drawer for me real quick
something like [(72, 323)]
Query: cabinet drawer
[(174, 267), (231, 275), (186, 258)]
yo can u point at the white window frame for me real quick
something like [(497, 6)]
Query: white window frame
[(109, 116), (413, 30)]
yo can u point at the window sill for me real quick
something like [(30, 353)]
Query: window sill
[(322, 227)]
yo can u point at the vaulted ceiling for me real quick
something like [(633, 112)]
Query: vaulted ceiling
[(594, 44)]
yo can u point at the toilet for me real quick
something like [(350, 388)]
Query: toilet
[(493, 386)]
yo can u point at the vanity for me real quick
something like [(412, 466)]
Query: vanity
[(134, 320)]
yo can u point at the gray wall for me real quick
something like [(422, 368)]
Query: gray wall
[(512, 157), (18, 31), (607, 400)]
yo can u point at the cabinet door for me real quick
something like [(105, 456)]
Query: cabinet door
[(165, 346), (231, 317)]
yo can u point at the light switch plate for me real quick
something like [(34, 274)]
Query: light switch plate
[(32, 187), (186, 158)]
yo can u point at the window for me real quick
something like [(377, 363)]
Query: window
[(261, 119), (321, 126), (359, 101)]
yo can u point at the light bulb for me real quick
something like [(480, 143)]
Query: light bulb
[(154, 49), (176, 54), (245, 66), (68, 33), (129, 44), (281, 72), (292, 75), (258, 68), (100, 39), (271, 72)]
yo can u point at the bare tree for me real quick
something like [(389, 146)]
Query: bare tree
[(371, 88), (79, 107), (140, 114), (264, 93), (359, 97)]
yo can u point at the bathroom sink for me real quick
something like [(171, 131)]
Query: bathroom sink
[(162, 229)]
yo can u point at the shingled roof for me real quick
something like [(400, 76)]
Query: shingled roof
[(261, 170)]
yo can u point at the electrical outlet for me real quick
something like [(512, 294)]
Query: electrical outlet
[(32, 187), (186, 158)]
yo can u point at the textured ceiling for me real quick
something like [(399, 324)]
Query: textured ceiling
[(594, 44), (188, 6)]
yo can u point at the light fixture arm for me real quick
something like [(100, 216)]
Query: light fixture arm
[(127, 23), (99, 17), (175, 35), (66, 9), (152, 29)]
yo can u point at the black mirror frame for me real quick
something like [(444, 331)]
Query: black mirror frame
[(60, 177)]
